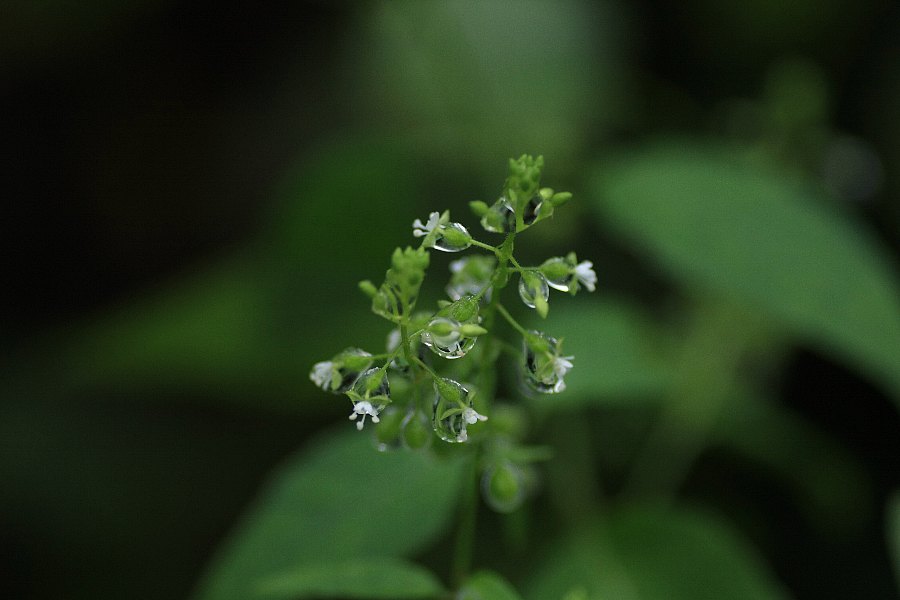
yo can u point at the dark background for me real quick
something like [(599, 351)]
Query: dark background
[(146, 145)]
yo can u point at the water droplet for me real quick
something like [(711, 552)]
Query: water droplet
[(543, 368), (372, 385), (450, 344), (558, 265), (349, 364), (503, 486), (500, 217), (453, 238), (532, 209), (531, 284), (450, 401)]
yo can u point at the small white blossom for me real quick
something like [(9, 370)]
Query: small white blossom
[(562, 365), (393, 340), (457, 265), (470, 416), (364, 408), (321, 374), (585, 273), (420, 230)]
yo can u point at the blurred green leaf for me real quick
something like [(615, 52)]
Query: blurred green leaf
[(769, 242), (893, 533), (487, 585), (824, 478), (650, 554), (339, 500), (616, 351), (390, 579)]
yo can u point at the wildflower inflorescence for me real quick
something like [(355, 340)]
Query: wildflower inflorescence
[(405, 390)]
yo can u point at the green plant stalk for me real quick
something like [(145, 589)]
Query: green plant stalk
[(468, 506)]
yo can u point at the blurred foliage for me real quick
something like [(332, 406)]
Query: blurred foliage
[(338, 502), (735, 170)]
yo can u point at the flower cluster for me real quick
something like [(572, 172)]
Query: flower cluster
[(418, 388)]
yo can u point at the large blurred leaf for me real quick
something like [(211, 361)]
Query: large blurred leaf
[(340, 500), (719, 225), (616, 351), (650, 554), (487, 585), (372, 578), (825, 479)]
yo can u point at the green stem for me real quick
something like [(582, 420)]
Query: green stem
[(510, 320), (422, 364), (465, 533), (493, 249)]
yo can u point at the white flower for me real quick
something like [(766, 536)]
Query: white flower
[(364, 408), (562, 365), (321, 374), (585, 273), (420, 230), (470, 416), (457, 265), (393, 340)]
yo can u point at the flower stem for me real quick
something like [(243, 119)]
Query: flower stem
[(465, 532), (510, 320)]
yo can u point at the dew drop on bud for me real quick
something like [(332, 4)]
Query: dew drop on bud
[(544, 370), (453, 238), (532, 209), (448, 421), (532, 284), (557, 265), (451, 345), (372, 384), (352, 362), (500, 217)]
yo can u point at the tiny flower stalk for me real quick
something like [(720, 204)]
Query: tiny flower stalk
[(437, 381)]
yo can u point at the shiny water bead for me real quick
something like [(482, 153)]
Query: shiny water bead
[(532, 209), (531, 285), (444, 338), (500, 217), (370, 394), (503, 486), (558, 273), (453, 237), (451, 402), (470, 275), (543, 368)]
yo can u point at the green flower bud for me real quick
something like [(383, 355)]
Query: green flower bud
[(560, 198), (503, 487), (471, 330), (478, 207), (455, 238), (368, 288)]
